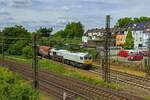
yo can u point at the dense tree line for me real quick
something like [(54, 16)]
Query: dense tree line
[(13, 45), (17, 39), (122, 22), (23, 46)]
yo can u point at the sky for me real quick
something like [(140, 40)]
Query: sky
[(33, 14)]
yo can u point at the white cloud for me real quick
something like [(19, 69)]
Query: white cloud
[(59, 12)]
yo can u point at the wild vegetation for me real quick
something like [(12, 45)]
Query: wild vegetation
[(12, 87)]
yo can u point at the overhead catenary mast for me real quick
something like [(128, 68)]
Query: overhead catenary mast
[(34, 62), (106, 58), (148, 50)]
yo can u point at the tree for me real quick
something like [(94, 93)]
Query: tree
[(122, 22), (144, 19), (60, 34), (73, 29), (129, 42), (16, 48), (14, 32), (44, 32), (136, 20), (27, 52)]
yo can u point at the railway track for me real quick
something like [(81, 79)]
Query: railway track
[(44, 84), (126, 78), (130, 79), (58, 85)]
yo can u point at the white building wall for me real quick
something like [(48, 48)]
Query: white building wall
[(140, 39), (85, 39), (145, 39), (94, 35)]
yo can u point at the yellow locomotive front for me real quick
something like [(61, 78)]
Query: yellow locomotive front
[(88, 61)]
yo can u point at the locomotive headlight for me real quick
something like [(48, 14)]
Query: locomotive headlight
[(88, 62)]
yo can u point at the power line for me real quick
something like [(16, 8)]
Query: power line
[(16, 38)]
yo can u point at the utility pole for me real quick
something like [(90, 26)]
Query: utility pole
[(106, 58), (34, 62)]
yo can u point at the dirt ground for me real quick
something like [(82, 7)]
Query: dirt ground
[(132, 67)]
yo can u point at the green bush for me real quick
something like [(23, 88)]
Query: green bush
[(13, 88), (16, 47), (27, 52)]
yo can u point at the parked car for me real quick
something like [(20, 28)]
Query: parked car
[(123, 53), (135, 56), (144, 53)]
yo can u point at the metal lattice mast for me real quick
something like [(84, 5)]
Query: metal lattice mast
[(3, 51), (106, 59), (2, 47), (34, 62), (148, 50)]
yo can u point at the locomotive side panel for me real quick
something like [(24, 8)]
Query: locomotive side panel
[(76, 59)]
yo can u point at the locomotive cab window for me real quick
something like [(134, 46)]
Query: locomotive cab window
[(81, 58), (85, 58), (90, 57), (54, 53)]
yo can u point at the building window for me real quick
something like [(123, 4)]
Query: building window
[(140, 39)]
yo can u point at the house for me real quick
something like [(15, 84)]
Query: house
[(85, 40), (96, 36), (140, 33), (93, 37), (120, 39)]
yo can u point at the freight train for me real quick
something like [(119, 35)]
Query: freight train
[(76, 59)]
